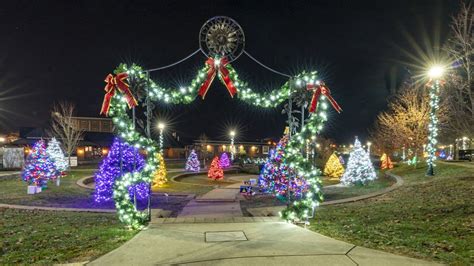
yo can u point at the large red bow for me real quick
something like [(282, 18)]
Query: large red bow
[(430, 82), (113, 83), (319, 89), (214, 66)]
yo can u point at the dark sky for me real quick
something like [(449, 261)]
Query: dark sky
[(52, 50)]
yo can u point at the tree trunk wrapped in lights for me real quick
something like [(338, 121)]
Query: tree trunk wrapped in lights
[(215, 171), (333, 168)]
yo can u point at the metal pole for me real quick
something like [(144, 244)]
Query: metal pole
[(148, 135), (290, 125)]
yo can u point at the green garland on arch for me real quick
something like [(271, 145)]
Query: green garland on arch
[(299, 210)]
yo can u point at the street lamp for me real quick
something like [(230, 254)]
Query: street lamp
[(368, 147), (232, 148), (435, 73), (161, 127)]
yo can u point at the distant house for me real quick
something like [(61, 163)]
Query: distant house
[(97, 138), (211, 148)]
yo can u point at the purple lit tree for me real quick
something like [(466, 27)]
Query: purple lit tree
[(224, 160), (192, 164), (121, 155)]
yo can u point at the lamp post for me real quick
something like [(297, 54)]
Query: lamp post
[(434, 74), (232, 148), (161, 127), (368, 147)]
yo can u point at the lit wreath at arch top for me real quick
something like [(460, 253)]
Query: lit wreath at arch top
[(119, 97)]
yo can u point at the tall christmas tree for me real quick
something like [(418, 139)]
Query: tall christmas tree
[(359, 167), (334, 168), (215, 171), (56, 154), (160, 175), (192, 164), (276, 174), (385, 162), (39, 168), (122, 158), (224, 160)]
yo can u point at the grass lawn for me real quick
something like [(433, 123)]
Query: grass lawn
[(13, 191), (46, 237), (429, 217)]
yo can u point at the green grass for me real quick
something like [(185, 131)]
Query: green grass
[(429, 217), (13, 191), (46, 237)]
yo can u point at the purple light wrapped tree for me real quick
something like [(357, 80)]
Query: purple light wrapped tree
[(192, 164), (109, 170), (224, 160)]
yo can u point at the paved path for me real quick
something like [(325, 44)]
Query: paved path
[(242, 243), (219, 202)]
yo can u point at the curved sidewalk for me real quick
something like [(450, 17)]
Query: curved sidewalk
[(243, 243)]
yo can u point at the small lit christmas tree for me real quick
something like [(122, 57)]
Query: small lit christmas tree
[(192, 164), (359, 167), (276, 174), (160, 175), (56, 154), (224, 160), (341, 160), (385, 162), (215, 171), (126, 157), (39, 168), (333, 168)]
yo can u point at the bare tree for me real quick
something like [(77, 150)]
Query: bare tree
[(405, 123), (64, 127), (459, 87)]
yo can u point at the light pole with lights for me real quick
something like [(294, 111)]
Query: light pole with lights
[(434, 74), (232, 148), (368, 147), (161, 127)]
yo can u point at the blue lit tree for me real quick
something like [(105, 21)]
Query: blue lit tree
[(121, 156)]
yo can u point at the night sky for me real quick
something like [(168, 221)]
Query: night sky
[(62, 50)]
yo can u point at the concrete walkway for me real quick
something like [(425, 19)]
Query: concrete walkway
[(248, 243), (219, 202)]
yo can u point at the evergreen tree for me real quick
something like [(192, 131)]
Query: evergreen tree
[(192, 164), (215, 171), (385, 162), (224, 160), (333, 168), (276, 173), (109, 170), (39, 168), (359, 167), (160, 175), (57, 156)]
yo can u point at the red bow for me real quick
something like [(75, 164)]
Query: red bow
[(319, 89), (430, 82), (211, 74), (113, 83)]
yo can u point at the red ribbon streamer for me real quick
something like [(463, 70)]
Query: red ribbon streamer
[(113, 83), (319, 89), (211, 74)]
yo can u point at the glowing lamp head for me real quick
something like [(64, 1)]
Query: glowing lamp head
[(161, 126), (232, 133), (436, 72)]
